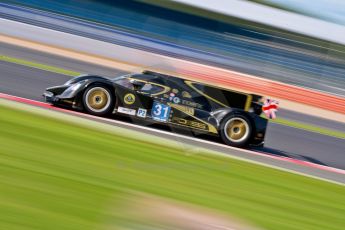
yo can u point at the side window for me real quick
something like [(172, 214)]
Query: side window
[(125, 82), (149, 88)]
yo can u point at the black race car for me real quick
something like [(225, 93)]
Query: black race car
[(159, 98)]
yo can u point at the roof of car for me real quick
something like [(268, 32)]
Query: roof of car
[(158, 77)]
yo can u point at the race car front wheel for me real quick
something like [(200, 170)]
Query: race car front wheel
[(236, 130), (98, 100)]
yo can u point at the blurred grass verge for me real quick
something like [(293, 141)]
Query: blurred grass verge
[(62, 172), (38, 65)]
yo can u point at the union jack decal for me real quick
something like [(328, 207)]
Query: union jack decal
[(270, 108)]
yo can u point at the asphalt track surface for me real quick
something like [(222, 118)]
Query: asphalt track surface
[(82, 67), (281, 140)]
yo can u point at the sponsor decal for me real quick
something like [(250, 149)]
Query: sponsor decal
[(174, 99), (160, 112), (126, 111), (171, 96), (141, 112), (188, 110), (185, 94), (129, 98), (175, 91), (193, 124), (192, 104)]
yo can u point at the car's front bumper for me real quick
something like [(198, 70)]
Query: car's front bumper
[(60, 101), (50, 98)]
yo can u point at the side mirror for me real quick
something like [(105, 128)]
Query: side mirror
[(137, 84)]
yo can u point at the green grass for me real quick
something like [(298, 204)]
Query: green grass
[(38, 65), (61, 175)]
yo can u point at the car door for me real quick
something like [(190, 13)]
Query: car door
[(160, 110), (189, 109), (145, 100)]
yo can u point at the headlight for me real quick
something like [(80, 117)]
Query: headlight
[(75, 86), (69, 92)]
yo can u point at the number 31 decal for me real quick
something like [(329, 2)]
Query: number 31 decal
[(160, 111)]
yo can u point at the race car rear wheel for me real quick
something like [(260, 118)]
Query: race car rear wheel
[(98, 100), (236, 130)]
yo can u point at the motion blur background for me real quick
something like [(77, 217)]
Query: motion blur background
[(63, 171), (224, 40)]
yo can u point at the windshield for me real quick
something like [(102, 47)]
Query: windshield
[(124, 81)]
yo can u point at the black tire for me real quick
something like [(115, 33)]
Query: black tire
[(236, 130), (98, 100)]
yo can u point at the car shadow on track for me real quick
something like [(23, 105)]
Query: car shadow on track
[(276, 152), (215, 139)]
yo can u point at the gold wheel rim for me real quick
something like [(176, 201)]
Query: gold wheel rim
[(97, 99), (236, 129)]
